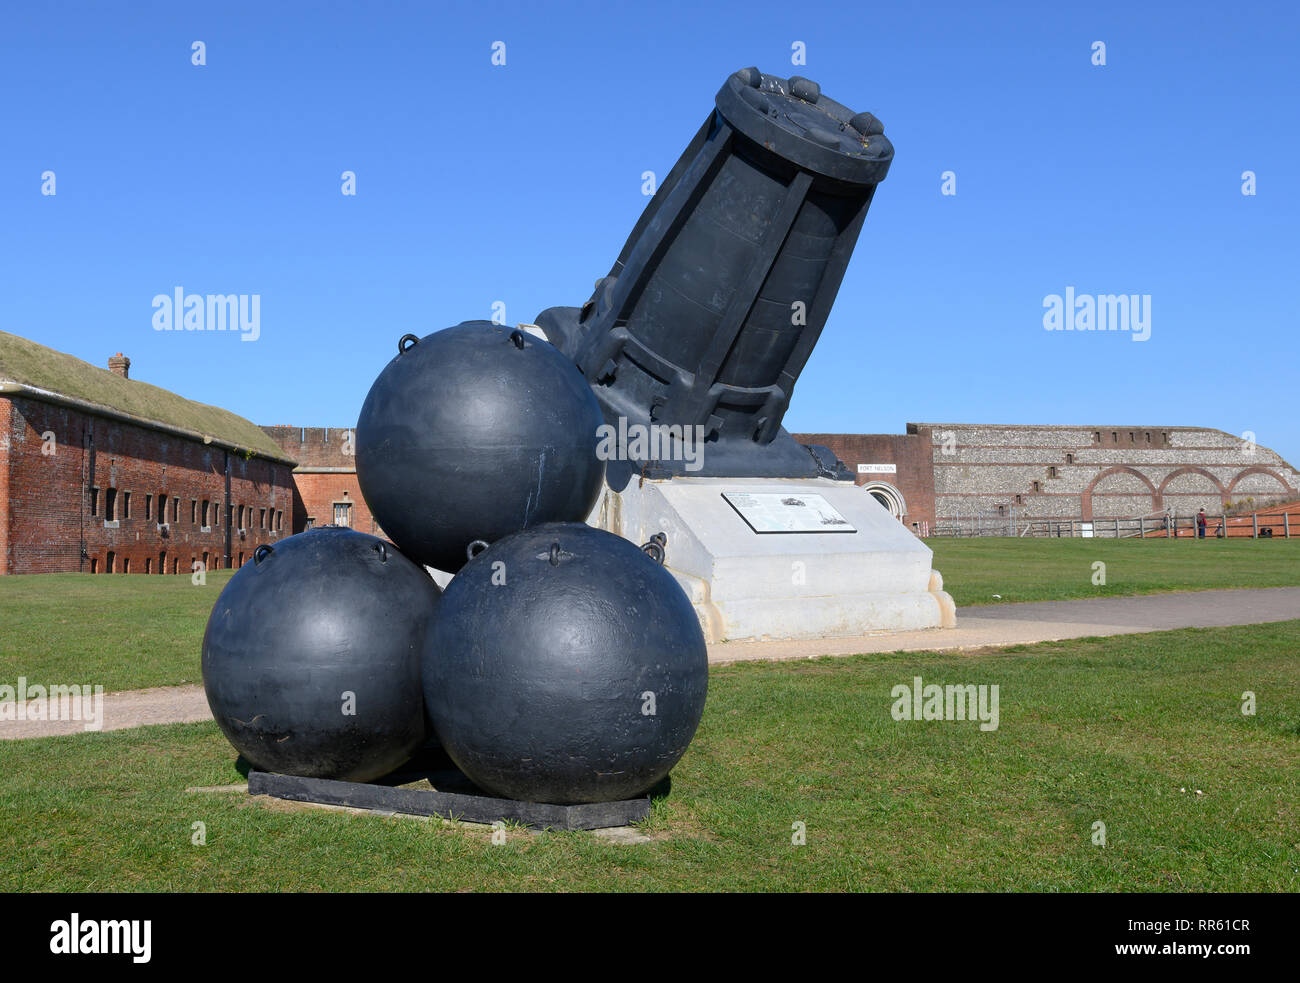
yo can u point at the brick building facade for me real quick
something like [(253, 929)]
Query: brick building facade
[(325, 481), (937, 472), (895, 468), (950, 471), (90, 483), (103, 474)]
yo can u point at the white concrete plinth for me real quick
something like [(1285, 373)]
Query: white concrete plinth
[(754, 586)]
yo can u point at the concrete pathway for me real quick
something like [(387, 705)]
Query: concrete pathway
[(1045, 621), (131, 708), (977, 627)]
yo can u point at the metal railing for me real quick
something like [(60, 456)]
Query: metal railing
[(988, 522), (1161, 525)]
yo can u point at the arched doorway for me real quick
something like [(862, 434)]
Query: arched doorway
[(888, 496)]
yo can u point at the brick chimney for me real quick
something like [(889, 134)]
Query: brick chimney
[(119, 364)]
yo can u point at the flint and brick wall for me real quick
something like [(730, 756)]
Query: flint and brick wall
[(54, 495), (1092, 472), (956, 470)]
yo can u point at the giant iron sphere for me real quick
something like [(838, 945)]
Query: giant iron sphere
[(565, 666), (473, 433), (311, 659)]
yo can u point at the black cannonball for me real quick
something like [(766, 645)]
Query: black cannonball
[(473, 433), (311, 659), (565, 666)]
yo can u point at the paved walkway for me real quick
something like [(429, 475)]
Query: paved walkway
[(977, 627), (1045, 621), (131, 708)]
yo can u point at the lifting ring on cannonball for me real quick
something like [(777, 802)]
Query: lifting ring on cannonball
[(517, 337), (382, 550), (403, 347), (261, 553), (555, 554), (471, 552), (657, 548)]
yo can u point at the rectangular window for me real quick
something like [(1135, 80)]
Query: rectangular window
[(148, 564), (261, 518), (1096, 437), (94, 564), (126, 564), (1037, 486), (205, 523), (94, 501), (1114, 436), (194, 512), (126, 505), (1069, 458), (342, 513), (111, 565), (1051, 471), (148, 514), (241, 517), (110, 505)]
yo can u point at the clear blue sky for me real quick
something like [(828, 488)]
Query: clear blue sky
[(519, 183)]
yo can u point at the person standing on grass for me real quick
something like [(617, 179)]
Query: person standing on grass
[(1200, 524)]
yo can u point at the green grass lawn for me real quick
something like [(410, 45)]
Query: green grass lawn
[(1094, 730), (119, 632), (129, 632), (974, 570)]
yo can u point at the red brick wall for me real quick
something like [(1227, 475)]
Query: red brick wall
[(318, 447), (911, 453), (326, 475), (6, 414), (317, 494), (48, 506)]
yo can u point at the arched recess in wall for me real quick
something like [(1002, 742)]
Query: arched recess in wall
[(1257, 469), (888, 496), (1120, 469), (1169, 478)]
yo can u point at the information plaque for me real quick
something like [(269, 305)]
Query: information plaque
[(776, 512)]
